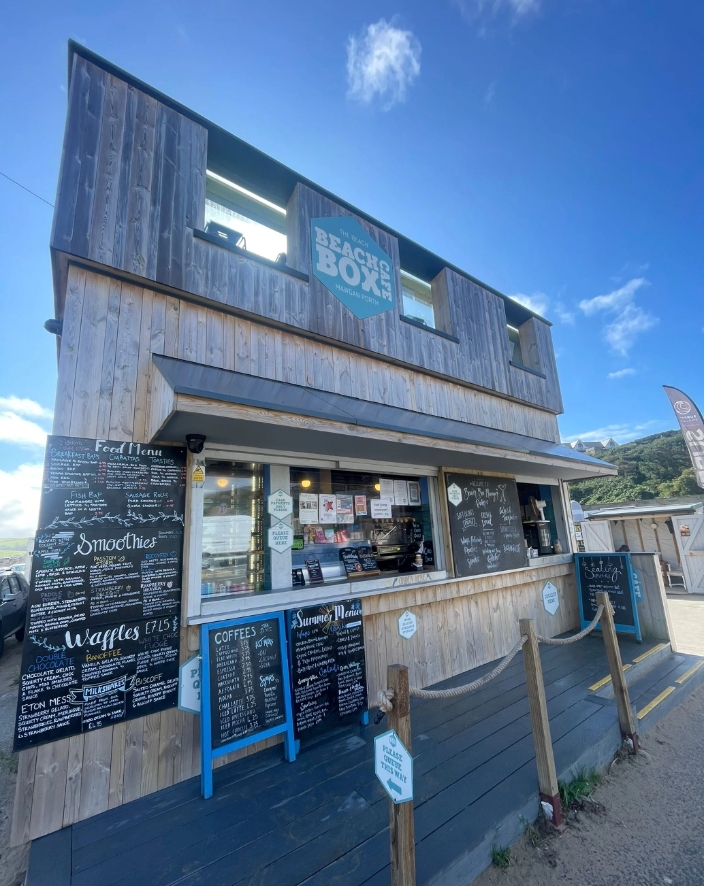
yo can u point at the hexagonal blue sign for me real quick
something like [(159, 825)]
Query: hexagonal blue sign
[(352, 266)]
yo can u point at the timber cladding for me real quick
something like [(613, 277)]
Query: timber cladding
[(111, 330), (132, 192)]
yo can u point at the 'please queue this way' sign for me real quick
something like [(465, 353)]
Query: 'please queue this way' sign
[(352, 266)]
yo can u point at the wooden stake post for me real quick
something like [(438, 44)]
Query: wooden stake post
[(546, 770), (617, 674), (402, 861)]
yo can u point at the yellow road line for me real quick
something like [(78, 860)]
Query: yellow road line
[(649, 652), (655, 701), (692, 670), (605, 680)]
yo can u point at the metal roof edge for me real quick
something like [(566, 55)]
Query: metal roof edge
[(79, 49)]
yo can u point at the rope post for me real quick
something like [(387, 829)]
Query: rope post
[(546, 770), (626, 718), (402, 861)]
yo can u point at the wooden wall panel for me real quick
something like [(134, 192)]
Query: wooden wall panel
[(105, 383), (132, 191)]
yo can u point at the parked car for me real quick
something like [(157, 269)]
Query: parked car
[(14, 592)]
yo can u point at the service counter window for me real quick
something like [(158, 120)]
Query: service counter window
[(233, 539), (350, 525), (539, 519)]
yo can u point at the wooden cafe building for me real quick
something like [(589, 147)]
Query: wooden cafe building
[(337, 413)]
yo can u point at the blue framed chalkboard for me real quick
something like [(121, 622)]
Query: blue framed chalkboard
[(613, 574), (245, 692)]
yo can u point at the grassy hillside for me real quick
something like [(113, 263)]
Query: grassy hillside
[(653, 467), (13, 547)]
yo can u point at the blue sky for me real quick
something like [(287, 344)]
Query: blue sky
[(552, 148)]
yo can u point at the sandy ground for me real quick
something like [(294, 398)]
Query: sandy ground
[(644, 826), (13, 862), (687, 616)]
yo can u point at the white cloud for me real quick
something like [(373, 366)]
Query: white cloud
[(621, 433), (21, 432), (622, 333), (631, 320), (474, 9), (24, 406), (537, 302), (20, 492), (615, 300), (382, 61), (564, 315), (622, 373)]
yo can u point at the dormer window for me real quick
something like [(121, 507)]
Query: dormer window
[(515, 346), (243, 218), (417, 301)]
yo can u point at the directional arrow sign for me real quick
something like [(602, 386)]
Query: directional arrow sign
[(393, 766)]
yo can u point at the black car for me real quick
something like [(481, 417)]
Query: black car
[(14, 592)]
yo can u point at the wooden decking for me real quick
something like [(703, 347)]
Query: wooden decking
[(323, 819)]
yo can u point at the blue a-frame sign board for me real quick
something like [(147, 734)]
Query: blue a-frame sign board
[(613, 574), (245, 694)]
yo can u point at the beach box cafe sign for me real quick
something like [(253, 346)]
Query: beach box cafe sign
[(352, 266)]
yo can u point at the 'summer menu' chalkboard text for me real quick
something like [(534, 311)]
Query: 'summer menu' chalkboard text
[(485, 522), (328, 664), (102, 633)]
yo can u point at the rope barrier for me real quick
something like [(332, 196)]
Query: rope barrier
[(386, 697), (553, 641)]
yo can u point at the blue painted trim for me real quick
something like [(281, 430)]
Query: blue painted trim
[(619, 629), (208, 753)]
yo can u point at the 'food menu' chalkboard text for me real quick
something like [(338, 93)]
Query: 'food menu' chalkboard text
[(611, 573), (328, 664), (102, 632), (245, 683), (485, 522)]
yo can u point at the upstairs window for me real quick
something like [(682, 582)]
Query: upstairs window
[(515, 346), (417, 301), (250, 221)]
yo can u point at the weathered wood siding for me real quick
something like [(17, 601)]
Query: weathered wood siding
[(111, 329), (132, 191)]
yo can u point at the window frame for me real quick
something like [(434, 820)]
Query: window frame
[(421, 288)]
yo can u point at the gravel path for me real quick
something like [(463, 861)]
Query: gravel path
[(645, 826)]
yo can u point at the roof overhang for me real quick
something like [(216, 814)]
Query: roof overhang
[(233, 408), (635, 513)]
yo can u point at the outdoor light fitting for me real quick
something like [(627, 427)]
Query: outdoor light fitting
[(54, 326)]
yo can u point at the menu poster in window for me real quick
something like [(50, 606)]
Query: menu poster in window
[(308, 508), (327, 508), (102, 634), (245, 679), (387, 490), (414, 493), (344, 508), (380, 509), (351, 562), (485, 523), (328, 664), (400, 493), (367, 561), (361, 506), (313, 567), (612, 574)]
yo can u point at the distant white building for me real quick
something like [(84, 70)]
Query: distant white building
[(593, 447)]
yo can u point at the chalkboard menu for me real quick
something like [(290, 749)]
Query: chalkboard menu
[(485, 522), (102, 632), (245, 680), (328, 664), (611, 573)]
